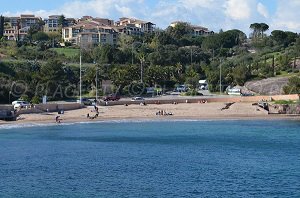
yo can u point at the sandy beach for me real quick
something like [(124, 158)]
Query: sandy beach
[(195, 111)]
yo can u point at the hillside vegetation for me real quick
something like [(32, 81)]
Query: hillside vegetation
[(36, 67)]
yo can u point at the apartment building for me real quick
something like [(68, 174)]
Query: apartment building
[(132, 26), (90, 33), (201, 31), (102, 21), (19, 26), (10, 33), (197, 30), (52, 23), (28, 20)]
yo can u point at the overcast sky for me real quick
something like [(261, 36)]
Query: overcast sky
[(214, 14)]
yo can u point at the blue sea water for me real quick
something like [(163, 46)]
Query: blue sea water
[(151, 159)]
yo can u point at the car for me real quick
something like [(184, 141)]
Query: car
[(137, 99), (181, 88), (20, 104), (17, 101), (86, 101), (112, 97)]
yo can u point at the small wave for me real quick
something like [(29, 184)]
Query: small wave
[(30, 125)]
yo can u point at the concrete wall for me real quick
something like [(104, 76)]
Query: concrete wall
[(40, 108), (56, 107), (6, 107)]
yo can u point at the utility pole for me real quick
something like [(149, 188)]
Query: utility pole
[(80, 99), (220, 77), (132, 54), (96, 84), (142, 61), (191, 56), (9, 97)]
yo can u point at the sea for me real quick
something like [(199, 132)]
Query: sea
[(133, 158)]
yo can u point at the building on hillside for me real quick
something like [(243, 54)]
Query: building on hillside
[(200, 31), (133, 26), (28, 20), (51, 23), (90, 32), (197, 30), (129, 29), (10, 33), (101, 21), (20, 25)]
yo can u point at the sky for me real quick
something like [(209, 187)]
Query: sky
[(213, 14)]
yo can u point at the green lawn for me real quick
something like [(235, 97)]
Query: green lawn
[(68, 52)]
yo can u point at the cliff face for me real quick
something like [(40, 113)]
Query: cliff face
[(269, 86)]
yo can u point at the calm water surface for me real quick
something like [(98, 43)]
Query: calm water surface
[(152, 159)]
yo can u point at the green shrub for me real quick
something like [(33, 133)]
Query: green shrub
[(35, 100), (24, 97), (191, 92), (284, 102)]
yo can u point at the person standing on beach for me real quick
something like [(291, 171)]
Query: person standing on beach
[(57, 119)]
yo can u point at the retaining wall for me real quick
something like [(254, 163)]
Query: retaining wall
[(40, 108), (6, 107)]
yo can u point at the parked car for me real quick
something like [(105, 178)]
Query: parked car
[(20, 104), (86, 101), (17, 101), (112, 97), (137, 99), (181, 88)]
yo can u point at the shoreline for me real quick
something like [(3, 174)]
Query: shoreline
[(197, 112), (8, 125)]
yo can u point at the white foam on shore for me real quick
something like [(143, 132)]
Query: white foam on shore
[(30, 125)]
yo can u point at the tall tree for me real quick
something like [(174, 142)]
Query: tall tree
[(263, 28), (255, 28), (179, 30), (259, 29), (62, 21), (1, 26)]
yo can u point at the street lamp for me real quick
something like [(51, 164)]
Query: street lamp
[(9, 97), (80, 99), (220, 77), (195, 51), (96, 82), (142, 59)]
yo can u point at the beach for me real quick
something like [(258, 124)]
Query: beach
[(197, 111)]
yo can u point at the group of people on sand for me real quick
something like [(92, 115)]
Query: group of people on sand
[(163, 113)]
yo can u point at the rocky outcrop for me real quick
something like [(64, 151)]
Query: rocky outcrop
[(269, 86)]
